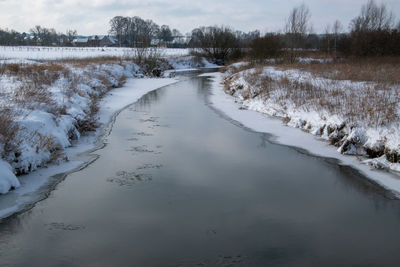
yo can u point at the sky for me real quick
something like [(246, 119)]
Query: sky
[(91, 17)]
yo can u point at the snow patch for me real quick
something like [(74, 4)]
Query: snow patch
[(8, 179)]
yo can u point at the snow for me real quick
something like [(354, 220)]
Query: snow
[(42, 131), (31, 184), (308, 60), (356, 134), (37, 53), (8, 179), (261, 122), (122, 97)]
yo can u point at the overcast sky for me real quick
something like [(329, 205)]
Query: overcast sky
[(92, 16)]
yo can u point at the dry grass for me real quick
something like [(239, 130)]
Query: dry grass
[(35, 80), (232, 69), (31, 95), (37, 86), (33, 91), (8, 128), (374, 105), (45, 72), (380, 70), (84, 62)]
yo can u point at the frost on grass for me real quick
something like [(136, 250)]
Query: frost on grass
[(359, 117)]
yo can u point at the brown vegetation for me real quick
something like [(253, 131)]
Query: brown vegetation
[(33, 91), (377, 69), (374, 105), (8, 128), (84, 62)]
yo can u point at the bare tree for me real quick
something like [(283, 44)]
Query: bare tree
[(269, 46), (372, 31), (296, 28), (165, 34), (37, 33), (337, 28), (118, 28), (133, 31), (176, 33), (177, 37), (44, 36), (328, 38), (71, 35), (216, 43), (373, 18)]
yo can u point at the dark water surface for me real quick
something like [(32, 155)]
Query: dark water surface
[(179, 185)]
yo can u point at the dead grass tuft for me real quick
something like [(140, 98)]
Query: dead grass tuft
[(8, 128), (31, 95), (84, 62)]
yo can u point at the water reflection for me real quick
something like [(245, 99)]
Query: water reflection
[(151, 98)]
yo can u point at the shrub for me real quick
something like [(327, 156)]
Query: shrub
[(269, 46), (8, 128), (150, 59)]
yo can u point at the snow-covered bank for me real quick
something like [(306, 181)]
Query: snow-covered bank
[(46, 106), (111, 104), (359, 117), (257, 121)]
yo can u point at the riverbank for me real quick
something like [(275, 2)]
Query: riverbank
[(31, 184), (348, 102), (47, 106), (258, 121)]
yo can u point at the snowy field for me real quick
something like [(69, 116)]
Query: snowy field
[(258, 120), (37, 53)]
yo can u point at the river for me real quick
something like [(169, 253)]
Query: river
[(179, 184)]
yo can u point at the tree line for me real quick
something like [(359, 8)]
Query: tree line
[(372, 33), (137, 32), (37, 35)]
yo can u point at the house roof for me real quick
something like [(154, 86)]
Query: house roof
[(101, 37), (81, 40), (93, 37)]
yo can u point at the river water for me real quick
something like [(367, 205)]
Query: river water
[(178, 184)]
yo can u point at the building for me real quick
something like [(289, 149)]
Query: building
[(80, 41), (95, 41)]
